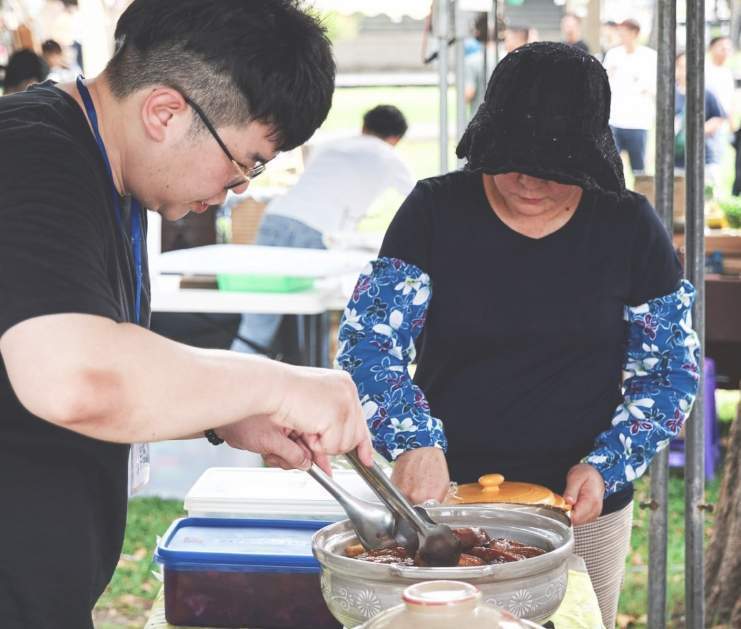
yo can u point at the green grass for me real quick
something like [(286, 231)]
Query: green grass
[(130, 594), (634, 596)]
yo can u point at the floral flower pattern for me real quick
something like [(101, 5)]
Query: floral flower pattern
[(660, 380), (377, 332), (387, 312)]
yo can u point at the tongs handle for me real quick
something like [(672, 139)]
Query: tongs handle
[(387, 492), (332, 486)]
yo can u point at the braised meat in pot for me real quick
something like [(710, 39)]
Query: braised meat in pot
[(478, 549)]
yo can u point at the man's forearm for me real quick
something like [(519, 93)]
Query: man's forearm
[(122, 383)]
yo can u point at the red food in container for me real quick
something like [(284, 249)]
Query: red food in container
[(242, 573)]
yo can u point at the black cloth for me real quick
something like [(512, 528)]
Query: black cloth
[(522, 350), (737, 178), (581, 45), (545, 113), (64, 495), (713, 109)]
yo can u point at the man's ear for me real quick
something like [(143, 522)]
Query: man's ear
[(164, 112)]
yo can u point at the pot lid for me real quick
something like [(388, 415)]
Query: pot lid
[(442, 604), (493, 488)]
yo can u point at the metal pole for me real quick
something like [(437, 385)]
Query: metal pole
[(443, 29), (695, 270), (460, 100), (484, 60), (664, 193), (495, 11)]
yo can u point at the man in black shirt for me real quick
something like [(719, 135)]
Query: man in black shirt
[(571, 31), (199, 96)]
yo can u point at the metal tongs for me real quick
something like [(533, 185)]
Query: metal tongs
[(397, 524)]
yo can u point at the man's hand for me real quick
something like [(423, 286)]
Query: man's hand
[(259, 434), (585, 491), (422, 474), (322, 407)]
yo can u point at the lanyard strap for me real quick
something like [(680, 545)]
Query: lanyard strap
[(136, 209)]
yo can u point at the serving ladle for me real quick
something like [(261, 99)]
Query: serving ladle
[(437, 544)]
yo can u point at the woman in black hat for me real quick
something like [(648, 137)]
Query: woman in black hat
[(547, 305)]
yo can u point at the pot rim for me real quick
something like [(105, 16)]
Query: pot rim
[(532, 517)]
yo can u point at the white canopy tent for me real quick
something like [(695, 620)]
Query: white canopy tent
[(395, 9)]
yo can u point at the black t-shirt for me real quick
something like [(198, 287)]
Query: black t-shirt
[(522, 351), (64, 495)]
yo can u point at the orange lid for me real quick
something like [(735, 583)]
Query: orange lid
[(493, 488)]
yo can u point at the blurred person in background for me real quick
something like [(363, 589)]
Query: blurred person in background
[(719, 77), (24, 69), (516, 36), (6, 40), (58, 21), (474, 82), (609, 36), (715, 121), (571, 31), (631, 69), (334, 193), (59, 70)]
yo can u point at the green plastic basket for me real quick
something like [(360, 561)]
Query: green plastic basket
[(263, 283)]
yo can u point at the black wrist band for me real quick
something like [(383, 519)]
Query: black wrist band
[(213, 437)]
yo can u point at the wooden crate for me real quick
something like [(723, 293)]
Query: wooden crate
[(644, 184), (246, 217)]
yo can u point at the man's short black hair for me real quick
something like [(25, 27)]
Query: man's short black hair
[(385, 121), (50, 47), (240, 60), (716, 39), (24, 65)]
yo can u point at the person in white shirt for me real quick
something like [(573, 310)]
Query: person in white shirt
[(631, 69), (720, 82), (333, 194), (718, 76)]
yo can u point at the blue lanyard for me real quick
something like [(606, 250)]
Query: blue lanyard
[(136, 209)]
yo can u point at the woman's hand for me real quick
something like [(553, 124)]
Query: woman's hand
[(585, 491), (422, 474)]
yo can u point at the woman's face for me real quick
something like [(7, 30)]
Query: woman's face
[(531, 196)]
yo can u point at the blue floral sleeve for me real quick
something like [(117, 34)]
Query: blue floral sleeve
[(660, 381), (384, 317)]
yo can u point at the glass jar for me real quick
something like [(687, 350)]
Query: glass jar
[(441, 605)]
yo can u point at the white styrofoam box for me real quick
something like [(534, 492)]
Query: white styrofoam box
[(255, 259), (262, 492)]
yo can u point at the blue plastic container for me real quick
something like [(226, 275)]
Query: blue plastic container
[(242, 573)]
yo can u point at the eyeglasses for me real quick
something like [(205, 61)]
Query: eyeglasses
[(248, 174)]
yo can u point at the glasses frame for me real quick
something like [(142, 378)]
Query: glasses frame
[(248, 173)]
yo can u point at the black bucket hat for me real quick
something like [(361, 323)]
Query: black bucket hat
[(545, 114)]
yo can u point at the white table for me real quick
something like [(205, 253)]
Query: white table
[(331, 271)]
